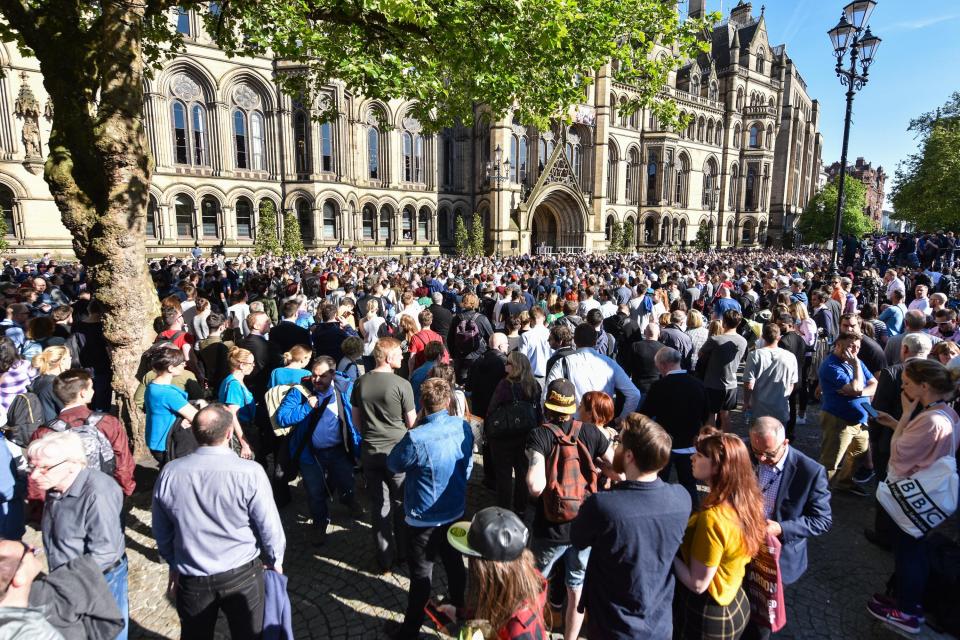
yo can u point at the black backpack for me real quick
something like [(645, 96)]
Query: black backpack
[(515, 418), (24, 417), (466, 337)]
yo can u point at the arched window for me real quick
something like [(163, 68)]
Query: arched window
[(633, 176), (762, 232), (740, 99), (423, 225), (369, 220), (761, 66), (183, 208), (710, 132), (522, 161), (6, 205), (729, 233), (326, 147), (305, 218), (443, 220), (718, 135), (210, 217), (692, 129), (769, 140), (701, 128), (608, 229), (622, 110), (652, 198), (448, 148), (373, 153), (736, 136), (751, 188), (747, 235), (714, 91), (574, 152), (386, 224), (681, 232), (709, 182), (734, 186), (189, 120), (331, 212), (635, 120), (613, 108), (613, 164), (301, 141), (755, 136), (406, 224), (694, 84), (244, 212), (652, 121), (153, 210), (249, 131), (183, 22), (681, 187), (648, 230), (412, 146)]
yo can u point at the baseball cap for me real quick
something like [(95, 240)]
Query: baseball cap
[(493, 534), (561, 397)]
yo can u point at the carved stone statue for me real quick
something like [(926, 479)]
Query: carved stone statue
[(31, 138)]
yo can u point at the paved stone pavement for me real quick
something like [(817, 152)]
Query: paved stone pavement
[(336, 595)]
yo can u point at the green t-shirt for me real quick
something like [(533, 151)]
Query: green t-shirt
[(383, 399)]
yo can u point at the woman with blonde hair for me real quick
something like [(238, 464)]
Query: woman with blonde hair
[(370, 329), (945, 351), (295, 362), (720, 540), (49, 363), (697, 332), (513, 412), (235, 394)]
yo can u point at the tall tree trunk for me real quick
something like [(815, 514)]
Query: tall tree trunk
[(99, 171)]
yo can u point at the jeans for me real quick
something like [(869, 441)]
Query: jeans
[(575, 561), (117, 582), (509, 461), (683, 462), (424, 544), (333, 469), (841, 448), (910, 565), (237, 592), (385, 489)]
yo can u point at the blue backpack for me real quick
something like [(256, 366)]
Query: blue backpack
[(344, 386)]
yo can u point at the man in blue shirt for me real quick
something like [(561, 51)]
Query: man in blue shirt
[(213, 518), (846, 385), (724, 303), (893, 316), (326, 461), (436, 456)]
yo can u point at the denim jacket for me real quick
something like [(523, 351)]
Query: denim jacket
[(437, 457)]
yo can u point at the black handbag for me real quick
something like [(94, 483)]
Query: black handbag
[(516, 418)]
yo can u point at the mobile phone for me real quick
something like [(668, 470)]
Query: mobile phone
[(868, 408)]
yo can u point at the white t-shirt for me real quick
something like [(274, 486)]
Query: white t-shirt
[(772, 372)]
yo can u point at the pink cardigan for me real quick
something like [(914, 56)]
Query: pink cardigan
[(923, 440)]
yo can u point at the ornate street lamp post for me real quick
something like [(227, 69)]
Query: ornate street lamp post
[(494, 175), (851, 35)]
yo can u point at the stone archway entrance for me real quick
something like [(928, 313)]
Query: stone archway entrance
[(558, 223)]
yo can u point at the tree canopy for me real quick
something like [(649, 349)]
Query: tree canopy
[(816, 222), (926, 186)]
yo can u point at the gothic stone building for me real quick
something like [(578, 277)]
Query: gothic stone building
[(875, 182), (225, 139)]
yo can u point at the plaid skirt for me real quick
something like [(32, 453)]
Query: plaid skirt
[(699, 617)]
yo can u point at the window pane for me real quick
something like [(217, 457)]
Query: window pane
[(183, 207), (240, 138), (209, 208), (326, 145), (407, 224), (305, 218), (180, 155), (423, 224), (244, 218), (183, 21), (300, 142), (199, 129), (407, 157), (6, 204), (384, 225), (373, 154), (368, 223), (444, 225), (256, 141), (418, 159), (151, 230), (522, 161), (329, 221)]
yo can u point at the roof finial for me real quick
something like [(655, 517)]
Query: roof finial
[(763, 8)]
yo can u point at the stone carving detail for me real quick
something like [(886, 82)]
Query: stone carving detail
[(372, 118), (28, 107), (48, 109), (518, 130), (412, 125), (184, 87), (246, 98)]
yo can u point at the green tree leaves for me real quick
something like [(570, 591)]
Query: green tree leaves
[(926, 186), (477, 235), (292, 237), (461, 237), (616, 238), (816, 222), (266, 241)]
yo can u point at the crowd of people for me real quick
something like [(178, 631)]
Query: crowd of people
[(597, 392)]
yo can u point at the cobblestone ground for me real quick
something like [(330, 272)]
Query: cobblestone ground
[(336, 594)]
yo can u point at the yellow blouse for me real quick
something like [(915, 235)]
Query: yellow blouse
[(714, 539)]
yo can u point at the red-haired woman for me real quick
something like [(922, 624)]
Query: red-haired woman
[(720, 540)]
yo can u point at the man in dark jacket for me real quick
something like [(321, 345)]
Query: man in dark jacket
[(287, 333), (675, 337), (682, 420), (328, 336), (486, 372), (264, 362), (633, 531), (796, 499), (442, 317), (462, 358), (638, 358)]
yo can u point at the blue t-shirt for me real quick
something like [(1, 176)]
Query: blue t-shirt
[(834, 373), (161, 403), (287, 375), (722, 305), (232, 391)]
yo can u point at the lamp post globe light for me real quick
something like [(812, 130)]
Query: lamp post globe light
[(851, 36), (497, 172)]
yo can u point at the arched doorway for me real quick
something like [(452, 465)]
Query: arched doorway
[(557, 221)]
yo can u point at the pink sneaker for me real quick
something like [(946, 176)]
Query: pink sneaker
[(894, 617)]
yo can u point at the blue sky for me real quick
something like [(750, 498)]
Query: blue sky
[(915, 70)]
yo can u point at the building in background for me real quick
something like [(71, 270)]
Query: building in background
[(225, 139), (873, 179)]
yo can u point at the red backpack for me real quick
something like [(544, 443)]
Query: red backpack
[(571, 475)]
